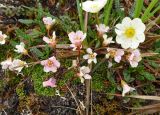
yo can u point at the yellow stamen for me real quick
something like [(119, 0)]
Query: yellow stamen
[(92, 56), (94, 6), (49, 63), (129, 32)]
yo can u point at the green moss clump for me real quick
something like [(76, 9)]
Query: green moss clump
[(20, 92), (38, 76), (66, 63), (66, 78), (99, 76)]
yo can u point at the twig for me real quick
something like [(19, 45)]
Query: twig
[(74, 98), (65, 107), (58, 46)]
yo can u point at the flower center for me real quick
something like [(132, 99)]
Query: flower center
[(130, 32), (94, 6), (49, 63), (1, 38), (21, 63), (78, 38), (92, 56), (112, 53)]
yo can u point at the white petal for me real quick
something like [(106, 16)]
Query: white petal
[(139, 25), (134, 44), (90, 60), (2, 42), (126, 21), (93, 6), (118, 32), (140, 37), (95, 60), (89, 50), (86, 56), (87, 76), (104, 36), (54, 35), (107, 55), (85, 69), (134, 63), (119, 39)]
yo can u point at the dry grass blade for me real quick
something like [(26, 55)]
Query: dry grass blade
[(148, 54), (149, 109), (157, 98)]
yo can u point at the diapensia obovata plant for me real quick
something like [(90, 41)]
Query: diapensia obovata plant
[(124, 48)]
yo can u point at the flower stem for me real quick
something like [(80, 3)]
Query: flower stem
[(88, 93), (85, 43), (97, 18)]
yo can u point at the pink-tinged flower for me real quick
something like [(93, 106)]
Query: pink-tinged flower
[(50, 64), (102, 29), (134, 57), (84, 73), (5, 64), (76, 39), (51, 41), (91, 56), (50, 83), (115, 53), (48, 21), (126, 88), (2, 38)]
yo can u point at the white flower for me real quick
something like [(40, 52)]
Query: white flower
[(91, 56), (102, 29), (93, 6), (126, 88), (84, 73), (18, 65), (106, 40), (130, 33), (20, 49), (5, 64), (2, 38)]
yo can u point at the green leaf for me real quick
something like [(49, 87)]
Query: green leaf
[(35, 33), (147, 12), (37, 52), (138, 8), (107, 11), (80, 14), (26, 21), (126, 75), (110, 77), (148, 76)]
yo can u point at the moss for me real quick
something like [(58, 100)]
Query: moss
[(1, 85), (66, 63), (66, 78), (97, 82), (14, 79), (38, 76), (20, 92), (99, 76)]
